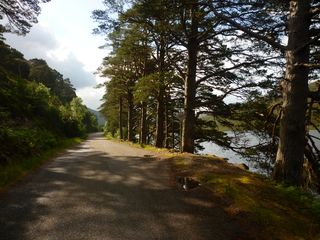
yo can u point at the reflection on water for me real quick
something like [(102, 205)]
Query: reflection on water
[(233, 157), (212, 148)]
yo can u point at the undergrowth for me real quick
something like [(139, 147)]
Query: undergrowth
[(14, 170), (284, 212)]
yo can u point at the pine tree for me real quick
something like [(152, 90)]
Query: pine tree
[(20, 14), (297, 21)]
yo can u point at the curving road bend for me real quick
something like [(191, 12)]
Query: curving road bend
[(105, 190)]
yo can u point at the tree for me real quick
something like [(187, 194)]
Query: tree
[(20, 14), (184, 39), (189, 37), (299, 20), (113, 107), (290, 155), (153, 18), (204, 58), (32, 116), (126, 65), (51, 78)]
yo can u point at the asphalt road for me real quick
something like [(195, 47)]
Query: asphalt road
[(106, 190)]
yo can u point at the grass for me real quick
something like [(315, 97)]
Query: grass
[(283, 212), (16, 170), (134, 144)]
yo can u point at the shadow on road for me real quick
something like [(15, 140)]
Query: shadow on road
[(92, 195)]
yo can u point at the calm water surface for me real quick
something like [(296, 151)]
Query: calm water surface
[(212, 148)]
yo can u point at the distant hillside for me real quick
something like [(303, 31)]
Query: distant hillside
[(101, 119)]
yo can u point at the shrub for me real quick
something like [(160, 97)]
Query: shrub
[(18, 143)]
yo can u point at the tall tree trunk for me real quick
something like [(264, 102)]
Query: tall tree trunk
[(189, 99), (160, 98), (130, 116), (173, 130), (190, 85), (143, 124), (290, 155), (167, 124), (160, 119), (120, 118)]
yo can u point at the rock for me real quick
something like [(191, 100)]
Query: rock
[(187, 183)]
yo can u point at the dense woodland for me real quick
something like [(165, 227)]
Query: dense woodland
[(38, 107), (181, 71)]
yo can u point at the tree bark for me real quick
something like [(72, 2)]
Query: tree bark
[(120, 118), (190, 85), (143, 124), (290, 154), (167, 124), (160, 119), (160, 98), (130, 116)]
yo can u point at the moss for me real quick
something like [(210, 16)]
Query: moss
[(181, 161), (283, 212)]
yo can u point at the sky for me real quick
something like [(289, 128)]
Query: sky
[(63, 37)]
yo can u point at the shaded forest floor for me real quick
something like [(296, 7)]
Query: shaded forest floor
[(271, 210)]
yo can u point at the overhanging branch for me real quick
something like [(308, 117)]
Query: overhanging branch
[(251, 33)]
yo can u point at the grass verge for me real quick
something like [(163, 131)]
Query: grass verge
[(279, 211), (137, 145), (283, 212), (16, 170)]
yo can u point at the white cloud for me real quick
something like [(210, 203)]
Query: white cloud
[(60, 54), (40, 43), (72, 68), (65, 41), (90, 96), (35, 44)]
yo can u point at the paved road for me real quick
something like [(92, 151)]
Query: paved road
[(105, 190)]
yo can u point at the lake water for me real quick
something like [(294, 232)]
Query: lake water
[(212, 148), (233, 157)]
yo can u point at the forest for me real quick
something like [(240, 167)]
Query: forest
[(39, 107), (181, 72)]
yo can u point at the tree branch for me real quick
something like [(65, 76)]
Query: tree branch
[(231, 68), (309, 65), (314, 11), (313, 40), (255, 35), (236, 89)]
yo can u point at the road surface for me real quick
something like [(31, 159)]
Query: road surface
[(105, 190)]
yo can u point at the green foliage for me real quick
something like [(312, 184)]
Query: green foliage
[(38, 108), (20, 14), (182, 60), (300, 197), (22, 142), (283, 212), (13, 171), (42, 73)]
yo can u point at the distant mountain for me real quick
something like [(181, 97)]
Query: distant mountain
[(101, 119)]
